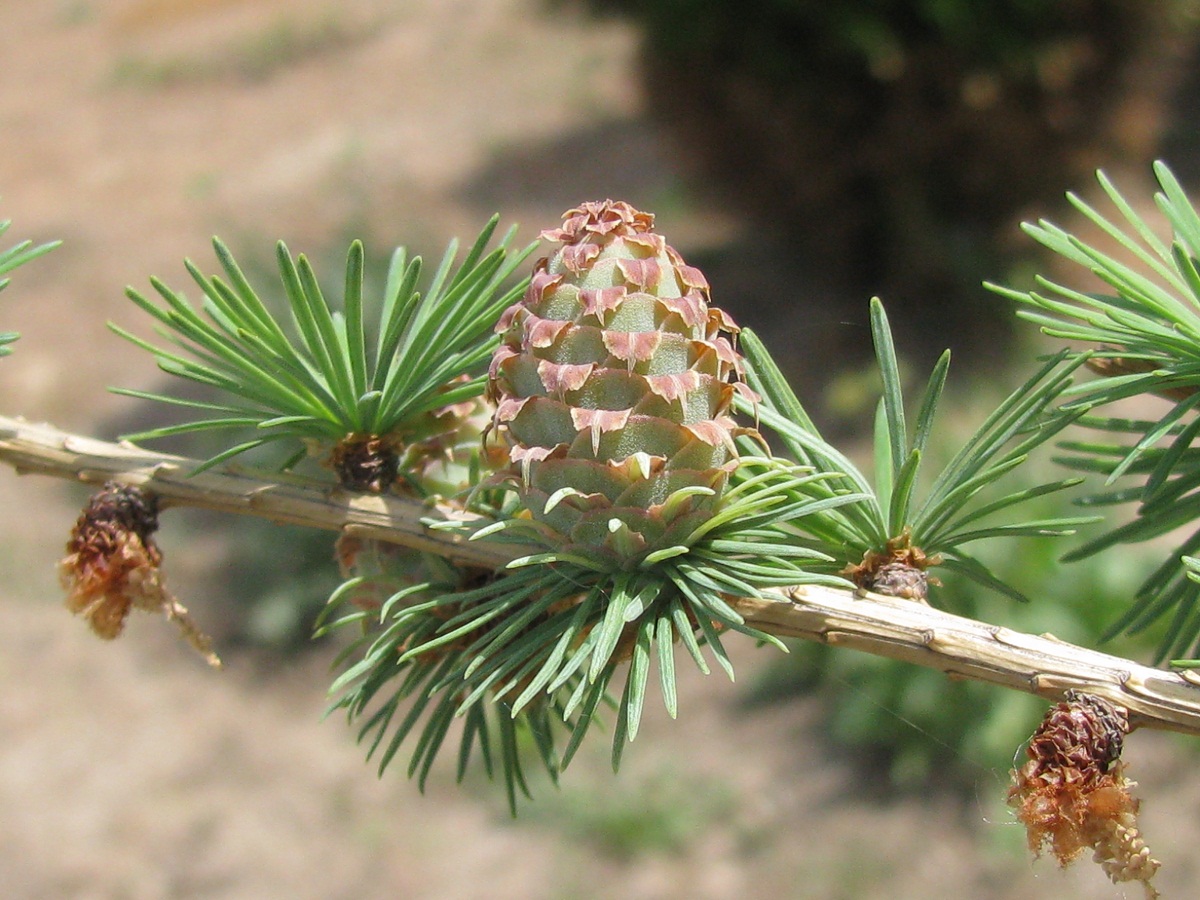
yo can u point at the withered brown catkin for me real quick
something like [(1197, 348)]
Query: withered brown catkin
[(113, 565), (1073, 795)]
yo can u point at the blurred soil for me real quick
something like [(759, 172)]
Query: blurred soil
[(135, 129)]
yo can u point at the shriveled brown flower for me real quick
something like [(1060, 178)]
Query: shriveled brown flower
[(1073, 795), (112, 566)]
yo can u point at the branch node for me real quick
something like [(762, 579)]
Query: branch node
[(74, 443), (1045, 635), (373, 503), (256, 498)]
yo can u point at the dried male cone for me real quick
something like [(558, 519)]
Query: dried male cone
[(613, 385), (1110, 366), (1073, 794), (112, 566), (112, 562)]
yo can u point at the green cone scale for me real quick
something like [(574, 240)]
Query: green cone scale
[(613, 385)]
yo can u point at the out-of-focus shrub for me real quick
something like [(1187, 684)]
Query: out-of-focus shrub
[(891, 141)]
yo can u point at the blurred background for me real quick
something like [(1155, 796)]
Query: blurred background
[(806, 155)]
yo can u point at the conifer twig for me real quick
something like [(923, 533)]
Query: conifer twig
[(894, 628), (232, 488)]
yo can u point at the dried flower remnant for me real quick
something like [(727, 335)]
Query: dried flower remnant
[(898, 571), (365, 462), (113, 565), (432, 448), (1073, 793)]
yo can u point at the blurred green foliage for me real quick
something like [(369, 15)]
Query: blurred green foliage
[(887, 145), (658, 813), (1021, 39), (274, 607)]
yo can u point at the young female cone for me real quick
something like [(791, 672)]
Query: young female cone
[(613, 385)]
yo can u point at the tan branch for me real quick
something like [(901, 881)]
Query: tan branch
[(966, 648), (45, 450), (897, 629)]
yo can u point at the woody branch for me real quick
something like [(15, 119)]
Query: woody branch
[(890, 627)]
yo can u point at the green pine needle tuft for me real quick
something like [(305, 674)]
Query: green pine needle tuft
[(541, 646), (1145, 333), (15, 256), (897, 515), (369, 369)]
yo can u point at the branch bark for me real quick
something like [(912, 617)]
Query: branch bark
[(886, 626)]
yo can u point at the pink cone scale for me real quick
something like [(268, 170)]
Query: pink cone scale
[(613, 386)]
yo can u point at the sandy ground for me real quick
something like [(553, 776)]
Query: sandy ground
[(135, 129)]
